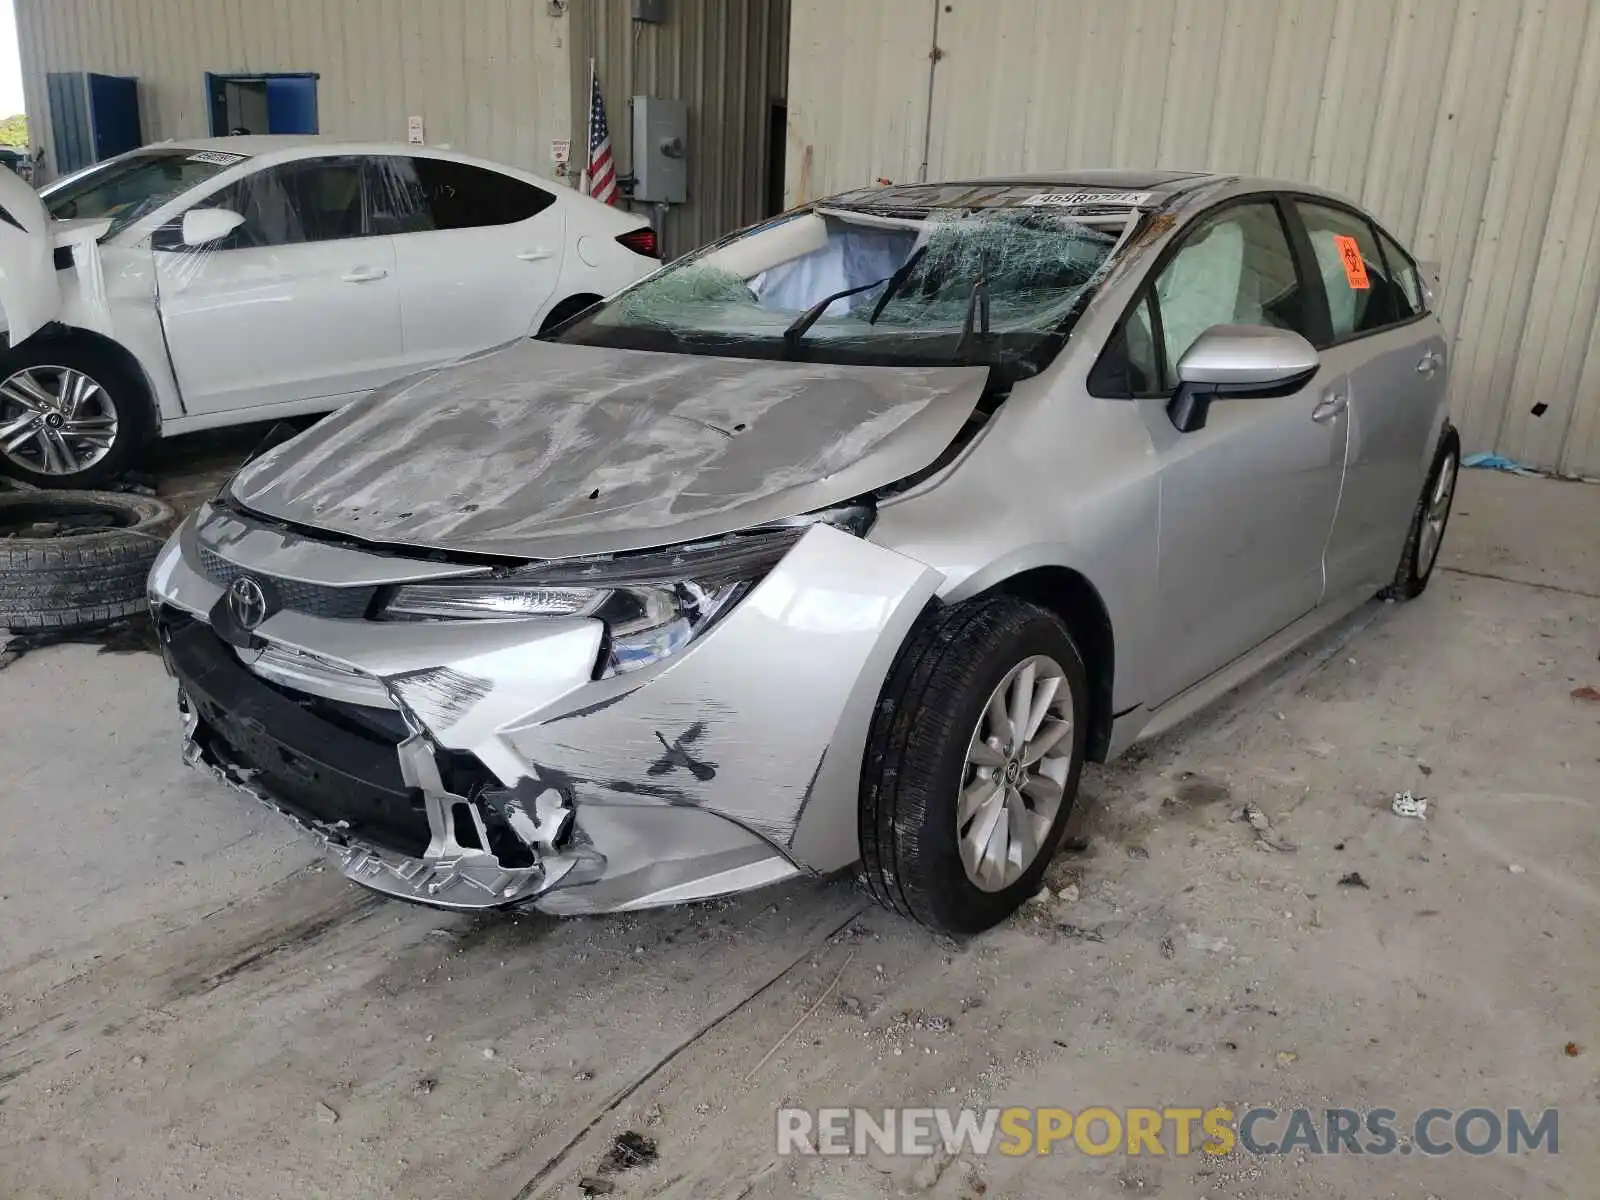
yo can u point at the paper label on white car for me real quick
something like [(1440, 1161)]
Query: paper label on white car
[(1085, 199), (220, 157)]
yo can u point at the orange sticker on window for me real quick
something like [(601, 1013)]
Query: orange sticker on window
[(1355, 267)]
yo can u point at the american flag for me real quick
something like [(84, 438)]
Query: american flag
[(602, 170)]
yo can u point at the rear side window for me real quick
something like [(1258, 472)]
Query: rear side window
[(418, 195), (1403, 269), (1362, 296)]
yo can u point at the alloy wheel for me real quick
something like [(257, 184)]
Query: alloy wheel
[(55, 420), (1018, 762), (1438, 512)]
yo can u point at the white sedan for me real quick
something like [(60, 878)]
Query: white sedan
[(185, 286)]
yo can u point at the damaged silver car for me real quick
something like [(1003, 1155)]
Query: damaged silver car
[(844, 542)]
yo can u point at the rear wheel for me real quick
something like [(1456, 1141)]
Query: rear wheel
[(972, 763), (1428, 522), (71, 416)]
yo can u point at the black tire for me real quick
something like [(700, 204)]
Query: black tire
[(916, 759), (566, 310), (1411, 576), (75, 559), (126, 389)]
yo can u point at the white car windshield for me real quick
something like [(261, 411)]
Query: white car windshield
[(930, 286), (126, 189)]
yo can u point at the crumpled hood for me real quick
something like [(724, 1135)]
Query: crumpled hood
[(544, 450)]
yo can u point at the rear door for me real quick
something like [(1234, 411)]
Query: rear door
[(1381, 338), (300, 303), (478, 252), (1247, 501)]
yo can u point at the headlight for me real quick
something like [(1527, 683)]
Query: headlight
[(653, 603)]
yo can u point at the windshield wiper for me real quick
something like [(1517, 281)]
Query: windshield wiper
[(896, 282), (977, 305), (797, 329)]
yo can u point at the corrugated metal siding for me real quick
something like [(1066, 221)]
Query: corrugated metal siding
[(726, 60), (1470, 127), (489, 77)]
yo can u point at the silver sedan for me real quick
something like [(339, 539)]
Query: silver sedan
[(843, 542)]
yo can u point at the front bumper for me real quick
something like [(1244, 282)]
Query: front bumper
[(476, 764)]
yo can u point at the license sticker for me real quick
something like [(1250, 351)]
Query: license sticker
[(220, 157), (1355, 267), (1086, 199)]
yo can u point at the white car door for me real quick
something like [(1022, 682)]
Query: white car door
[(300, 303), (478, 252)]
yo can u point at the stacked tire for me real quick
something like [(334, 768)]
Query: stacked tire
[(71, 560)]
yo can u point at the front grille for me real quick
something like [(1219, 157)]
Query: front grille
[(315, 599), (322, 760)]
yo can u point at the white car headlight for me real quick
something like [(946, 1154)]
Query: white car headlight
[(653, 603)]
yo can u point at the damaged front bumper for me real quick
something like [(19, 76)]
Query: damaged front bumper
[(475, 764)]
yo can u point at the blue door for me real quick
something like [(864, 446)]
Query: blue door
[(93, 116), (292, 103), (114, 114)]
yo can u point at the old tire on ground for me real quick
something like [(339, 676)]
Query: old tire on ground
[(1428, 521), (72, 413), (75, 559), (925, 794)]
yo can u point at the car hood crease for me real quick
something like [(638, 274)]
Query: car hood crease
[(544, 450)]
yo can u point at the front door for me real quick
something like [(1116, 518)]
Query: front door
[(1246, 502), (301, 303), (478, 252)]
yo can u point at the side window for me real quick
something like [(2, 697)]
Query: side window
[(1144, 363), (1361, 295), (1403, 268), (1234, 268), (1130, 366), (313, 200), (414, 195)]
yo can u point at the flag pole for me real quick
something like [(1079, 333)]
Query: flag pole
[(588, 135)]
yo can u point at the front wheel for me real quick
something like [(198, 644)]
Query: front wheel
[(972, 763), (1428, 522), (70, 415)]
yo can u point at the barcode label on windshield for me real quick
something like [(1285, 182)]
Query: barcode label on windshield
[(1085, 199), (218, 157)]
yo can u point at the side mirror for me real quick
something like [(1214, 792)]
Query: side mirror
[(1238, 360), (202, 226)]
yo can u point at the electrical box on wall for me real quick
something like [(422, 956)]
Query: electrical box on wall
[(653, 11), (660, 150)]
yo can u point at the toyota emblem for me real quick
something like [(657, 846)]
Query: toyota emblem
[(247, 603)]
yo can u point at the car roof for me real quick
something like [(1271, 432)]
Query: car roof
[(1167, 182), (254, 143), (294, 145)]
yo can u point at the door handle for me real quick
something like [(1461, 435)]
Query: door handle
[(1430, 363), (537, 255), (1330, 407), (364, 275)]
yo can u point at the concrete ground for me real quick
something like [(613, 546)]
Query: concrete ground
[(190, 1005)]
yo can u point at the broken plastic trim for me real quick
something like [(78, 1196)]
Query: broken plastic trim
[(450, 874)]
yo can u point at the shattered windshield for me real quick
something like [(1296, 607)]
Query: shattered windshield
[(126, 189), (938, 286)]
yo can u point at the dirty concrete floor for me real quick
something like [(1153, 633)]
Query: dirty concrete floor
[(189, 1005)]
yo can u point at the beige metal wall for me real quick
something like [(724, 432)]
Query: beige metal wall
[(488, 77), (727, 60), (1470, 127)]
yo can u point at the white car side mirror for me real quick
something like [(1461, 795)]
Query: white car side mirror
[(202, 226)]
